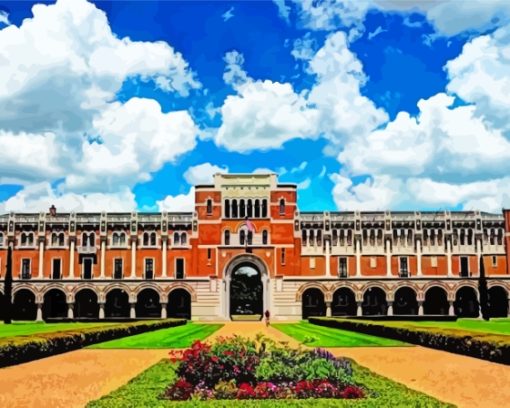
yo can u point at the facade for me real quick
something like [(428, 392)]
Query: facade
[(245, 249)]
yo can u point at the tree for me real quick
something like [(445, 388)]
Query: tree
[(8, 288), (483, 291)]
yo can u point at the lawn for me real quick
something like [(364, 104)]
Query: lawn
[(29, 328), (173, 337), (144, 390), (320, 336), (496, 326)]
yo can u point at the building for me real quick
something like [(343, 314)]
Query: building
[(245, 249)]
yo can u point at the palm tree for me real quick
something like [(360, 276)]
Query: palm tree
[(483, 291)]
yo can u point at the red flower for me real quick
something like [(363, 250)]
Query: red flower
[(245, 391), (351, 391)]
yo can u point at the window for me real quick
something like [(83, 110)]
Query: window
[(303, 237), (257, 209), (242, 209), (404, 271), (234, 209), (242, 237), (117, 268), (342, 267), (27, 239), (227, 237), (264, 208), (209, 254), (312, 262), (373, 262), (264, 237), (179, 268), (118, 238), (88, 240), (87, 268), (227, 208), (149, 239), (282, 207), (209, 207), (25, 269), (494, 261), (177, 238), (1, 239), (184, 238), (250, 237), (283, 256), (149, 268), (433, 261), (57, 239), (464, 267), (250, 209), (56, 268)]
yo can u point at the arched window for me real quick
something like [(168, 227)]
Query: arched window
[(303, 237), (470, 237), (342, 237), (153, 239), (242, 237), (250, 209), (234, 209), (61, 239), (257, 209), (145, 238), (1, 239), (92, 239), (264, 208), (319, 238), (455, 237), (282, 207), (184, 238), (177, 238), (250, 237), (264, 237), (462, 237), (500, 236), (27, 239), (54, 239), (335, 237), (311, 237), (379, 237), (227, 237), (242, 208), (365, 236), (409, 237), (372, 237), (227, 208), (209, 206), (349, 237)]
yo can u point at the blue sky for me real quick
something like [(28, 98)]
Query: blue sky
[(365, 105)]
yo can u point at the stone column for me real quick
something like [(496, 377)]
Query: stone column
[(39, 317), (359, 309), (508, 307), (418, 257), (103, 255), (71, 260), (163, 310), (388, 258), (132, 310), (41, 259), (478, 246), (420, 308), (70, 310), (451, 309), (328, 309), (390, 309), (449, 258), (101, 311), (163, 260), (133, 259), (328, 266), (358, 258)]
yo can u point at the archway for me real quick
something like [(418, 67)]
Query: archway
[(313, 303), (55, 305), (498, 302), (117, 303), (405, 302), (374, 302), (246, 292), (344, 303), (24, 307), (179, 304), (147, 304), (466, 302), (85, 305), (436, 301)]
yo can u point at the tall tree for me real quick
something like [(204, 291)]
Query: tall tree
[(483, 291), (8, 287)]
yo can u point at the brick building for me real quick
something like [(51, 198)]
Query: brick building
[(247, 248)]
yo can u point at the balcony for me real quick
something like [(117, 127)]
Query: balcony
[(87, 249)]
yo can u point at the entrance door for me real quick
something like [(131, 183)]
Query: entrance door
[(246, 293), (464, 269), (87, 268)]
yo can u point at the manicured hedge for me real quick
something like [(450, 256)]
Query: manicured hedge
[(20, 349), (486, 346)]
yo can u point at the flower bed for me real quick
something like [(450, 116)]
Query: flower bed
[(238, 368)]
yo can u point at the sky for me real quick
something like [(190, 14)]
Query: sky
[(365, 105)]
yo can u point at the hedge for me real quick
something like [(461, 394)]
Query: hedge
[(21, 349), (486, 346)]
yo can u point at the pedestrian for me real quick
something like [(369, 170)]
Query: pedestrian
[(267, 314)]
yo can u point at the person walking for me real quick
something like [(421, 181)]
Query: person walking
[(268, 315)]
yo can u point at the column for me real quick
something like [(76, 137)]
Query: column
[(478, 246), (163, 260), (451, 309), (418, 257), (70, 310), (132, 311), (508, 307), (420, 308), (71, 260), (390, 309), (133, 259), (328, 266), (328, 309), (39, 317), (41, 259), (449, 258), (103, 245), (388, 258), (359, 309), (101, 311), (358, 257), (163, 310)]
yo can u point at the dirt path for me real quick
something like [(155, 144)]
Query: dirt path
[(72, 379)]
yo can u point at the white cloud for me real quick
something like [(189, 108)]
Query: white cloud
[(4, 17), (323, 172), (227, 15), (303, 185), (299, 168), (283, 9), (203, 173), (234, 73), (181, 202)]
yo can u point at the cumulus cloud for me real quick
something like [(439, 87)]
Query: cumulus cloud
[(180, 202), (203, 173)]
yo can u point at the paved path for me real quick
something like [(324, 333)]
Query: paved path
[(72, 379)]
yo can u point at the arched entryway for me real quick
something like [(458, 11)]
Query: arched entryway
[(179, 304), (24, 307), (246, 288), (436, 301), (55, 305), (148, 304), (405, 302), (85, 305), (466, 302), (117, 303), (344, 303), (313, 303), (374, 302), (498, 302)]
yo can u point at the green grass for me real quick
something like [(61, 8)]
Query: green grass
[(173, 337), (30, 328), (145, 389), (304, 332), (496, 326)]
